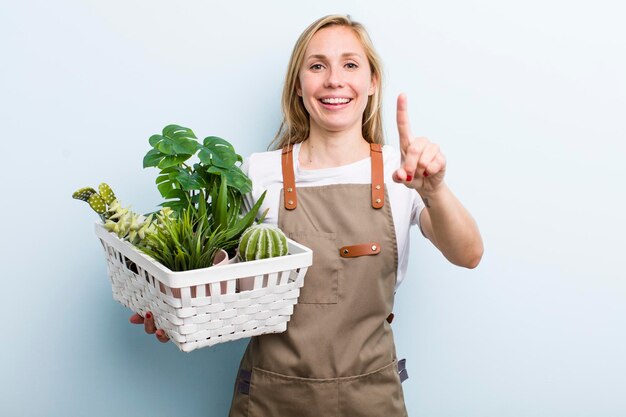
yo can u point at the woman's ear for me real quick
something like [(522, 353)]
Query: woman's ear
[(373, 85), (298, 89)]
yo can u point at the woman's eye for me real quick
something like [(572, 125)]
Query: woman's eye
[(351, 65), (316, 66)]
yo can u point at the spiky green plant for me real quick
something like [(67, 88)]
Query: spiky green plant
[(124, 222), (185, 241)]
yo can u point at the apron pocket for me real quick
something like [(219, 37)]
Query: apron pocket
[(377, 393), (273, 394), (321, 283)]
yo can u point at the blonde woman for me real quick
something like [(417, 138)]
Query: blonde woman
[(333, 186)]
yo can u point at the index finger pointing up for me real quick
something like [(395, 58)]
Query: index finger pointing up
[(402, 115)]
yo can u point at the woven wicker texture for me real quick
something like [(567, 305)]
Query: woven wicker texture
[(220, 304)]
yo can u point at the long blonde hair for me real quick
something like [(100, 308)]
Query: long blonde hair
[(295, 125)]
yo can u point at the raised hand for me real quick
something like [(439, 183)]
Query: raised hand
[(423, 165), (149, 326)]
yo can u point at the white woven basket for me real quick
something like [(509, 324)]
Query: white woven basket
[(203, 307)]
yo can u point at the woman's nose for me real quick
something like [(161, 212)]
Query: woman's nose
[(334, 79)]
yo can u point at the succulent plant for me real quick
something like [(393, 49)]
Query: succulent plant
[(106, 192), (83, 193), (97, 203), (122, 221), (262, 241), (130, 226)]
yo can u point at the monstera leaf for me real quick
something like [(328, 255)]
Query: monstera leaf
[(176, 145), (218, 152), (214, 185)]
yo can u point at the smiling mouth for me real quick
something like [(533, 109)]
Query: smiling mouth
[(335, 101)]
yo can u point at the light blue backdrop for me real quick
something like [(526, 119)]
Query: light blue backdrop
[(527, 100)]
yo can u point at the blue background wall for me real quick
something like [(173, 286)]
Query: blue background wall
[(526, 99)]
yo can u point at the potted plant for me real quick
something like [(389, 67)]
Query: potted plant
[(162, 262), (212, 187)]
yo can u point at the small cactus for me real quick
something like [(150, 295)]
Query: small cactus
[(106, 192), (97, 203), (262, 241), (83, 193), (122, 221)]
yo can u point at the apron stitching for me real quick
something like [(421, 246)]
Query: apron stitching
[(340, 379), (394, 241)]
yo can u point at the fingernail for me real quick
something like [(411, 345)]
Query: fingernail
[(409, 177), (148, 315), (161, 336)]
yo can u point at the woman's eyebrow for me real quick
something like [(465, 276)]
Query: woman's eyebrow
[(344, 55)]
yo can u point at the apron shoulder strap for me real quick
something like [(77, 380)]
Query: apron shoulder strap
[(378, 179), (289, 179)]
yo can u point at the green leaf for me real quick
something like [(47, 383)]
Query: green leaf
[(165, 146), (161, 178), (165, 183), (165, 188), (188, 181), (234, 210), (152, 158), (202, 208), (175, 205), (178, 194), (154, 139), (237, 229), (175, 140), (173, 160), (238, 180), (177, 200), (217, 151), (215, 170), (199, 178), (183, 139), (262, 217), (221, 213), (235, 176)]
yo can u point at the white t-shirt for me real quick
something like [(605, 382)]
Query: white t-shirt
[(264, 169)]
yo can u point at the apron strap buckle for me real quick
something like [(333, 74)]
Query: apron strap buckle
[(404, 375)]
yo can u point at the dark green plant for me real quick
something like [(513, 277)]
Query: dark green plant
[(215, 180), (185, 242)]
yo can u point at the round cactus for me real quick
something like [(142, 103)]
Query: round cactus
[(262, 241)]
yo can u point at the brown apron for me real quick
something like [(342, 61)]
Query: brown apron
[(337, 357)]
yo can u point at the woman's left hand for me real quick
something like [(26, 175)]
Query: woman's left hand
[(423, 165)]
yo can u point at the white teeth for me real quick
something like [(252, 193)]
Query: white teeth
[(335, 100)]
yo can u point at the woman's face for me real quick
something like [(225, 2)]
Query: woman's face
[(335, 80)]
